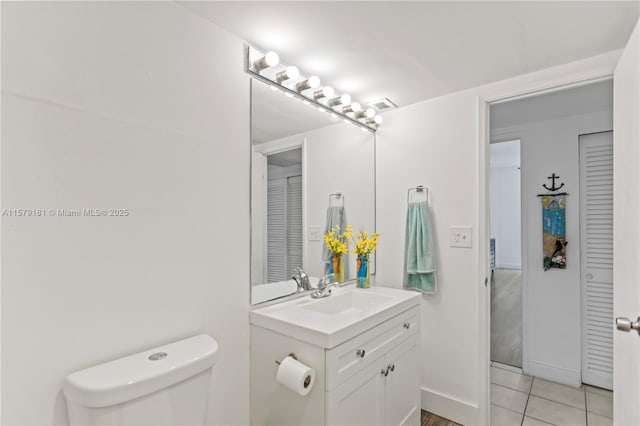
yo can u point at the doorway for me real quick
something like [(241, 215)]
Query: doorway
[(559, 349), (506, 256)]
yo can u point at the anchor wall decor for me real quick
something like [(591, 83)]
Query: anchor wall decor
[(553, 187)]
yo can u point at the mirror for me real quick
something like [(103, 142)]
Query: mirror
[(304, 162)]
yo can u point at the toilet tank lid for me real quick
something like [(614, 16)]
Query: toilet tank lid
[(137, 375)]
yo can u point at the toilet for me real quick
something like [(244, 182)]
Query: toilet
[(167, 385)]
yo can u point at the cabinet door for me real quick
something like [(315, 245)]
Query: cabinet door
[(360, 400), (402, 396)]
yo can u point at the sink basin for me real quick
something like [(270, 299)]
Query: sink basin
[(327, 322), (352, 300)]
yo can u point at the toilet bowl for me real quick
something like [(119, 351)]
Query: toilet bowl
[(167, 385)]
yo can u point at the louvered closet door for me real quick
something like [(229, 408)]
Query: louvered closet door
[(294, 225), (276, 230), (596, 240)]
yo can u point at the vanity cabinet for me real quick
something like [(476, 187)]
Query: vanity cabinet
[(370, 379), (384, 393)]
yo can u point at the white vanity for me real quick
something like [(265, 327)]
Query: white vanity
[(364, 347)]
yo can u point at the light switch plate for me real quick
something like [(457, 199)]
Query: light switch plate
[(315, 233), (460, 236)]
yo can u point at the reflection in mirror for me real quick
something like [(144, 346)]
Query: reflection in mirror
[(300, 157)]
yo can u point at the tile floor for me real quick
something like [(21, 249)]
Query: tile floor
[(517, 399), (506, 316)]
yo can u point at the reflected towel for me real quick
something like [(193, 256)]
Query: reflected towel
[(336, 215), (419, 260)]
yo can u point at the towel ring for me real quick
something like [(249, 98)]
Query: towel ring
[(419, 188), (338, 196)]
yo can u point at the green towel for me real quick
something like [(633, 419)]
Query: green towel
[(419, 260)]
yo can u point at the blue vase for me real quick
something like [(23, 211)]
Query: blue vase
[(364, 280)]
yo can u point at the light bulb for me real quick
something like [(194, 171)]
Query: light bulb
[(341, 100), (325, 92), (310, 83), (271, 59), (289, 95), (314, 81), (375, 120), (306, 102), (368, 113), (353, 107), (289, 73)]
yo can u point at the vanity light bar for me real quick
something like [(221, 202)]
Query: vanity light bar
[(293, 84)]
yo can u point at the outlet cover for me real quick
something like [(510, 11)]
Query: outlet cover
[(315, 233), (460, 236)]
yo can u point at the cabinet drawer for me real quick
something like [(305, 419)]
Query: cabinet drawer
[(347, 359)]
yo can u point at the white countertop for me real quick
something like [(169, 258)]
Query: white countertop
[(327, 322)]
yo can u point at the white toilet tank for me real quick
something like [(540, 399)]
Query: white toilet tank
[(168, 385)]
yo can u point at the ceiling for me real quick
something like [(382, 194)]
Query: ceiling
[(411, 51), (579, 100)]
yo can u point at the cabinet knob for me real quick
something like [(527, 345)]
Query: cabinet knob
[(360, 353), (384, 372), (406, 325), (391, 367)]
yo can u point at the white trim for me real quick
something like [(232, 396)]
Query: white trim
[(555, 374), (448, 407), (279, 145), (554, 79)]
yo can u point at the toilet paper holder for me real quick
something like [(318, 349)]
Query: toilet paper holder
[(292, 355)]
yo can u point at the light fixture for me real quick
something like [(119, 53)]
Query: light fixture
[(271, 59), (340, 100), (368, 113), (288, 80), (352, 107), (310, 83), (289, 73), (325, 92)]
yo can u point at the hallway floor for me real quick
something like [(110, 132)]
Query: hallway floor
[(517, 399), (506, 317)]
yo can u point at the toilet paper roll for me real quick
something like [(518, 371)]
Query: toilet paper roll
[(296, 376)]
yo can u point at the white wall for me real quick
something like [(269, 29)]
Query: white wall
[(436, 143), (141, 106), (552, 302), (504, 194)]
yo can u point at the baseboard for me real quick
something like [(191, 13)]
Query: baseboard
[(449, 407), (509, 266), (554, 374)]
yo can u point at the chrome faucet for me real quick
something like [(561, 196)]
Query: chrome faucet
[(302, 280), (324, 288)]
